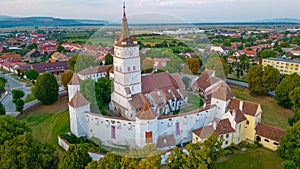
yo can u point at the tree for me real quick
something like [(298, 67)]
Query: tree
[(10, 127), (108, 59), (176, 158), (83, 62), (75, 157), (110, 160), (288, 84), (267, 54), (148, 65), (2, 86), (261, 79), (2, 109), (151, 162), (103, 92), (193, 64), (289, 148), (19, 105), (60, 48), (66, 77), (72, 62), (87, 89), (31, 74), (24, 151), (227, 43), (32, 46), (294, 96), (17, 99), (46, 88), (218, 64)]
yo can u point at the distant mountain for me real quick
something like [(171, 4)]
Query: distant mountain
[(280, 20), (7, 21)]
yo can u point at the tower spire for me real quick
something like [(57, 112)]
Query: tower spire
[(125, 31)]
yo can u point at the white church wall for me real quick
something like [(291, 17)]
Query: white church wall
[(144, 126), (102, 127)]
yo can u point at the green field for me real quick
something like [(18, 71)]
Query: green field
[(273, 114), (254, 158)]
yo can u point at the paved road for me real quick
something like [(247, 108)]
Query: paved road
[(12, 84)]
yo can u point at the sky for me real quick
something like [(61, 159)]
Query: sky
[(186, 10)]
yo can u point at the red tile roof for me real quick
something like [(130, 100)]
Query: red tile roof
[(75, 80), (224, 127), (93, 70), (248, 107), (269, 132), (51, 67), (165, 141), (204, 131), (158, 81), (78, 100)]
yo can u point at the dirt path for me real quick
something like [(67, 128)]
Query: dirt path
[(60, 105)]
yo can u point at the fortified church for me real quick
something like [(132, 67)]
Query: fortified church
[(145, 104)]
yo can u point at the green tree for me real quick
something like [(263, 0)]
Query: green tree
[(103, 92), (31, 74), (75, 157), (151, 162), (289, 148), (17, 99), (147, 65), (261, 79), (2, 109), (17, 94), (72, 62), (24, 151), (87, 89), (66, 77), (267, 54), (60, 48), (176, 158), (83, 62), (288, 84), (2, 86), (46, 88), (227, 43), (10, 127), (294, 96), (19, 105), (32, 46), (108, 59), (194, 64), (110, 160), (218, 64)]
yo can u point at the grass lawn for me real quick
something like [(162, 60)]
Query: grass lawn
[(30, 97), (195, 102), (253, 158), (273, 114), (48, 121)]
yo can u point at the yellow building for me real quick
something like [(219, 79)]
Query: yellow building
[(284, 66), (230, 129), (268, 136)]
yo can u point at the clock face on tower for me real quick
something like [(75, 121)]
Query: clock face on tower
[(130, 51)]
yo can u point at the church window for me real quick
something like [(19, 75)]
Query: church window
[(113, 132), (177, 129), (247, 122), (128, 69), (266, 140), (148, 137), (227, 135), (170, 123), (132, 88), (133, 68)]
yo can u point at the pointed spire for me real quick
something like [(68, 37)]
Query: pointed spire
[(125, 31)]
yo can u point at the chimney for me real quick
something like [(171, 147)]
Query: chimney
[(234, 114), (214, 124), (241, 105)]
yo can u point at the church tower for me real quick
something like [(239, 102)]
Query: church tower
[(127, 70)]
